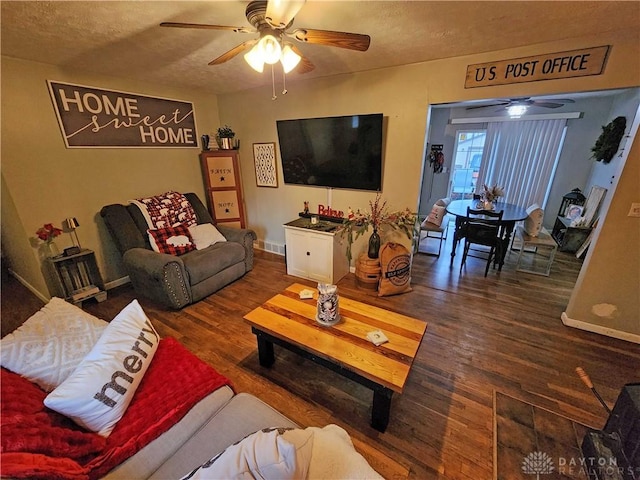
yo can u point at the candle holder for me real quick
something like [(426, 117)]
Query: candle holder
[(328, 310)]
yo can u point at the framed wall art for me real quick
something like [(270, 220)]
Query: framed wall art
[(264, 157)]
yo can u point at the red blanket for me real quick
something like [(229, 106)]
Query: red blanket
[(167, 210), (39, 443)]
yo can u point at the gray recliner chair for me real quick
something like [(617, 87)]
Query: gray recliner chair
[(177, 281)]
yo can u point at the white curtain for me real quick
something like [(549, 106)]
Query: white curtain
[(521, 157)]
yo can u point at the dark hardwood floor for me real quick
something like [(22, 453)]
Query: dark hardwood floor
[(499, 333)]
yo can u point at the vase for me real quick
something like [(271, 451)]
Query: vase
[(205, 143), (50, 249), (487, 205), (226, 143), (374, 245)]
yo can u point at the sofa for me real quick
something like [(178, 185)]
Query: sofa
[(183, 420), (177, 280)]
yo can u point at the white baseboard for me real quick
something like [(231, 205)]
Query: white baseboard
[(117, 282), (30, 287), (108, 286), (590, 327)]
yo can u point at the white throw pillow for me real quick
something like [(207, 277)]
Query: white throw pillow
[(281, 454), (51, 343), (437, 214), (205, 234), (98, 392), (533, 222)]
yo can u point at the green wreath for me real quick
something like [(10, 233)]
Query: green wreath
[(607, 144)]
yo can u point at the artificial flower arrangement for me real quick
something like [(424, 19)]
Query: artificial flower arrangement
[(491, 194), (377, 217), (48, 232)]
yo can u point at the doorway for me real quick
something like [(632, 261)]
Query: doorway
[(575, 168)]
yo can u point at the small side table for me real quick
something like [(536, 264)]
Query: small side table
[(76, 277), (543, 240)]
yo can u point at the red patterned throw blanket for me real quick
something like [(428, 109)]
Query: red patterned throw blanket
[(166, 210), (39, 443)]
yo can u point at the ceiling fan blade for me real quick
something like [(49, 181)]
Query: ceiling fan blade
[(305, 65), (281, 12), (351, 41), (208, 27), (537, 103), (225, 57), (487, 106), (561, 100)]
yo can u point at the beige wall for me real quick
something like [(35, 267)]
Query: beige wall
[(47, 182), (44, 182), (607, 294)]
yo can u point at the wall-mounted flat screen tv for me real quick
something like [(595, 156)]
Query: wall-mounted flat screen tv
[(336, 152)]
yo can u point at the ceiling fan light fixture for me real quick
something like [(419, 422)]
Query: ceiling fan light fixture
[(289, 59), (280, 12), (516, 111), (254, 58), (271, 49)]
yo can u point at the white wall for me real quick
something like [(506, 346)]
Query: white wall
[(625, 105), (436, 185)]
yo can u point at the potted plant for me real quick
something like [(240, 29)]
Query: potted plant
[(225, 137), (378, 217)]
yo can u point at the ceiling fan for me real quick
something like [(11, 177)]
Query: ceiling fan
[(273, 21), (506, 103)]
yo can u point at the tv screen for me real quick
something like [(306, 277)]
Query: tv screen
[(336, 152)]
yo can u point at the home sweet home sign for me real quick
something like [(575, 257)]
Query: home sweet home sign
[(95, 118)]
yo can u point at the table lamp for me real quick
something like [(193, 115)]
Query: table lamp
[(70, 224)]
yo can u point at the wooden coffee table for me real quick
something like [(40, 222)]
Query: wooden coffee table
[(288, 321)]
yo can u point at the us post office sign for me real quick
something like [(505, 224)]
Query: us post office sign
[(573, 63)]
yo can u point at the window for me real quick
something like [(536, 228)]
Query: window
[(522, 158), (466, 163)]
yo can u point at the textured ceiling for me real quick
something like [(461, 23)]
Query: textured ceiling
[(122, 38)]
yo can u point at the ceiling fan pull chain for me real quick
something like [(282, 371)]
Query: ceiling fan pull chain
[(284, 82), (273, 84)]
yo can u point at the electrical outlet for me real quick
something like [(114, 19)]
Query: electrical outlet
[(635, 210)]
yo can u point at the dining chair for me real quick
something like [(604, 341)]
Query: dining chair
[(435, 226), (483, 227)]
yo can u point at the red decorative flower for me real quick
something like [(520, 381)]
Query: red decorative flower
[(48, 232)]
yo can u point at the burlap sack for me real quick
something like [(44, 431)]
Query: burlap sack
[(395, 263)]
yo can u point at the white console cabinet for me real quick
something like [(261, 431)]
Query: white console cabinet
[(313, 253)]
